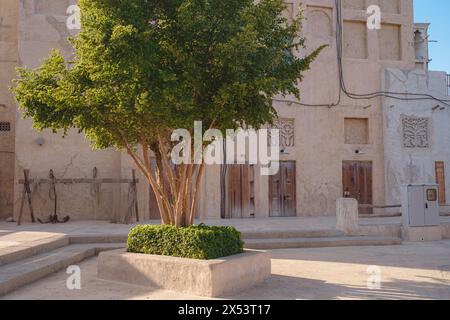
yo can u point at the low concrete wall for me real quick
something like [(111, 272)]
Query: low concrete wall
[(347, 216), (419, 234), (445, 231), (210, 278), (381, 230)]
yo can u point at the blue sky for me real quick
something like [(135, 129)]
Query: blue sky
[(436, 12)]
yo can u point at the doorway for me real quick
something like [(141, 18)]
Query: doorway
[(440, 181), (283, 191), (357, 183), (240, 191)]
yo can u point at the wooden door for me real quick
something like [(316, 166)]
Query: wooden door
[(440, 181), (283, 191), (275, 195), (240, 191), (234, 192), (357, 183)]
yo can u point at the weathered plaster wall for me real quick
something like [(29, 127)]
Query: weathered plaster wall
[(320, 144), (8, 62), (42, 27), (413, 161)]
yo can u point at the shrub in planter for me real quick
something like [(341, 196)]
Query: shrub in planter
[(194, 242)]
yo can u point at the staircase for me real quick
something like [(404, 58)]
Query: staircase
[(266, 240), (25, 265)]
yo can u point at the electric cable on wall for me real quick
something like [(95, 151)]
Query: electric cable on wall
[(342, 87)]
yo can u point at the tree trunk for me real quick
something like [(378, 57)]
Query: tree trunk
[(176, 189)]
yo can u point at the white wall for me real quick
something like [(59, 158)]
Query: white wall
[(415, 165)]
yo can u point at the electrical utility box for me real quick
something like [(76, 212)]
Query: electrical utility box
[(420, 206)]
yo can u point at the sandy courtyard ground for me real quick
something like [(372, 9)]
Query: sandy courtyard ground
[(410, 271)]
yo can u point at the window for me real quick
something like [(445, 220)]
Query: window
[(390, 6), (320, 22), (288, 13), (356, 130), (431, 195), (355, 4), (355, 40), (5, 126), (389, 39), (51, 7)]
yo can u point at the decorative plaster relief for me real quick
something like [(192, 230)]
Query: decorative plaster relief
[(416, 132), (287, 132)]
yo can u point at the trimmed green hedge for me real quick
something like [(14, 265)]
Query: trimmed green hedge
[(194, 242)]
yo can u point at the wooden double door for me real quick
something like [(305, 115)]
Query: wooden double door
[(357, 183), (283, 191), (240, 191)]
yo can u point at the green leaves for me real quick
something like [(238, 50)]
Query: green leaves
[(45, 94), (194, 242), (164, 64)]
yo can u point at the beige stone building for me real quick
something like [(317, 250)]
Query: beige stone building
[(331, 144)]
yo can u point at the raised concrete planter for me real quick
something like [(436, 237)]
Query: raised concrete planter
[(347, 216), (210, 278)]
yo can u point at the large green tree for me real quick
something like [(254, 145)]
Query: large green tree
[(142, 68)]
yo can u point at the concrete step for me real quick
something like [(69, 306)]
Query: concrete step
[(25, 250), (285, 234), (85, 239), (324, 242), (20, 273)]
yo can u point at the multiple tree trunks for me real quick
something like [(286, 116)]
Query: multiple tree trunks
[(79, 181), (175, 187)]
